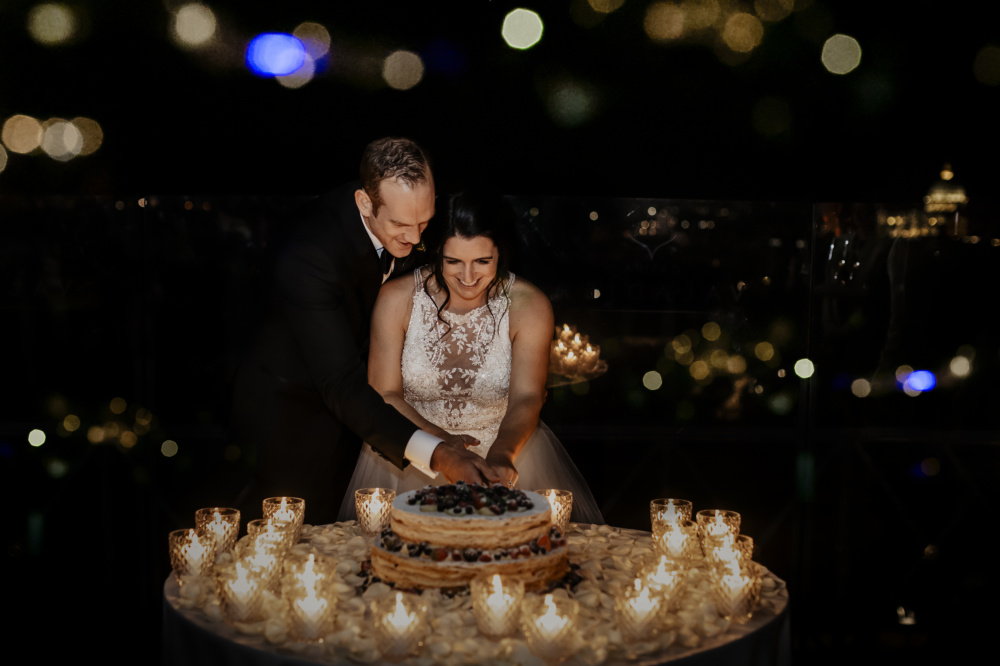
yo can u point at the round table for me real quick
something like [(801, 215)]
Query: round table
[(190, 636)]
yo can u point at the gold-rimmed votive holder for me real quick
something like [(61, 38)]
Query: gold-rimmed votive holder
[(549, 624), (669, 511), (716, 523), (374, 507), (221, 524), (561, 502), (401, 623), (286, 511), (240, 591), (190, 553), (496, 604)]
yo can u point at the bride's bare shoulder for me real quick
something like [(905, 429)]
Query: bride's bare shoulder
[(527, 298)]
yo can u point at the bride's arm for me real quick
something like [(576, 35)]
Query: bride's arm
[(531, 326), (389, 320)]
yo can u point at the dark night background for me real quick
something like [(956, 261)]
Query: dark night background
[(136, 272)]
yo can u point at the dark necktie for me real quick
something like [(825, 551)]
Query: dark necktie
[(385, 260)]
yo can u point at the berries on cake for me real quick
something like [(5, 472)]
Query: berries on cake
[(444, 536)]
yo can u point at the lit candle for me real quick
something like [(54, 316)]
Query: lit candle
[(589, 357), (239, 593), (736, 592), (310, 612), (561, 502), (549, 625), (190, 554), (571, 364), (400, 624), (566, 333), (372, 505), (220, 524), (638, 612), (496, 604)]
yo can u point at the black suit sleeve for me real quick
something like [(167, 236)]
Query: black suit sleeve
[(320, 301)]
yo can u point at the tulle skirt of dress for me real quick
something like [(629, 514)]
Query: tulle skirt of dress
[(542, 463)]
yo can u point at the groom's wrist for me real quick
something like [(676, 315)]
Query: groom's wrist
[(420, 450)]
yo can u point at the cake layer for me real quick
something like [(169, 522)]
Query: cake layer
[(416, 572), (513, 528)]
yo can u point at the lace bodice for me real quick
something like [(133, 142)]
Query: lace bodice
[(459, 378)]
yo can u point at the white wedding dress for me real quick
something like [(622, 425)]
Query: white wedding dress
[(457, 376)]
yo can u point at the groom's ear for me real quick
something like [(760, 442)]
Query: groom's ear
[(363, 202)]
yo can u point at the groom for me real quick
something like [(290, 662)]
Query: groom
[(303, 400)]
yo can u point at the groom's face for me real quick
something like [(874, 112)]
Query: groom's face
[(403, 215)]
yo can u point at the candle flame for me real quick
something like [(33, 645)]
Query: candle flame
[(194, 552), (551, 623), (399, 619)]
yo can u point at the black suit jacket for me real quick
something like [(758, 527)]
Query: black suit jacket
[(302, 400)]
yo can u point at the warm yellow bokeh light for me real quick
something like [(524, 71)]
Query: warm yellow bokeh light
[(742, 32), (902, 372), (841, 54), (773, 10), (118, 405), (168, 448), (652, 380), (71, 423), (718, 359), (143, 417), (91, 132), (664, 21), (95, 434), (3, 159), (736, 364), (194, 25), (21, 134), (128, 439), (681, 344), (605, 6), (51, 23), (402, 70), (861, 388), (711, 331), (700, 14), (61, 140), (764, 351), (804, 368), (301, 76), (522, 29), (314, 37), (986, 66), (699, 370), (36, 437)]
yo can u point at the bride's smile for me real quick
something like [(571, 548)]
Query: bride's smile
[(469, 266)]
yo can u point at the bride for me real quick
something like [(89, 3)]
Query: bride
[(463, 347)]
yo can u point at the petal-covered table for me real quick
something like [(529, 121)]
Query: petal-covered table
[(194, 632)]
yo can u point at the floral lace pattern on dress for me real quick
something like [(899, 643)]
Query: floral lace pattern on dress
[(459, 377)]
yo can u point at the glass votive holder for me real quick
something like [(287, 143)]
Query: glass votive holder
[(717, 522), (307, 588), (666, 577), (281, 535), (549, 625), (496, 604), (190, 553), (678, 541), (561, 502), (374, 508), (744, 544), (241, 592), (639, 610), (736, 591), (286, 512), (669, 511), (263, 557), (721, 549), (400, 624), (222, 524)]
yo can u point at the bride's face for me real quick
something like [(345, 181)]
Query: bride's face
[(469, 265)]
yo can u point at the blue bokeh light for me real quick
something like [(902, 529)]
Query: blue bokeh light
[(921, 380), (275, 54)]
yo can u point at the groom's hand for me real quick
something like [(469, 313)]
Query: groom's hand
[(457, 463)]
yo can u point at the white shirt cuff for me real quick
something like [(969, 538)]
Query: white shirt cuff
[(419, 450)]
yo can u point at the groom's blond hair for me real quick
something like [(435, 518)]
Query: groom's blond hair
[(392, 158)]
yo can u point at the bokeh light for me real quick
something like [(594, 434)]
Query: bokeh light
[(699, 370), (742, 32), (773, 10), (764, 351), (960, 366), (51, 23), (571, 104), (95, 434), (275, 54), (652, 380), (841, 54), (402, 70), (861, 388), (71, 423), (91, 133), (804, 368), (128, 439), (168, 448), (986, 66), (21, 134), (736, 364), (711, 331), (194, 25), (61, 140), (36, 437), (3, 159), (314, 37), (902, 372), (56, 468), (522, 29), (605, 6), (664, 21), (921, 380), (301, 76), (118, 405)]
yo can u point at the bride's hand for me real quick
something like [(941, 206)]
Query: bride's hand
[(505, 466), (453, 459)]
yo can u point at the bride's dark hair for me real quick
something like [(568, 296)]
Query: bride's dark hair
[(468, 215)]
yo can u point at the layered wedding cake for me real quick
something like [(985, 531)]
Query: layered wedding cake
[(445, 536)]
